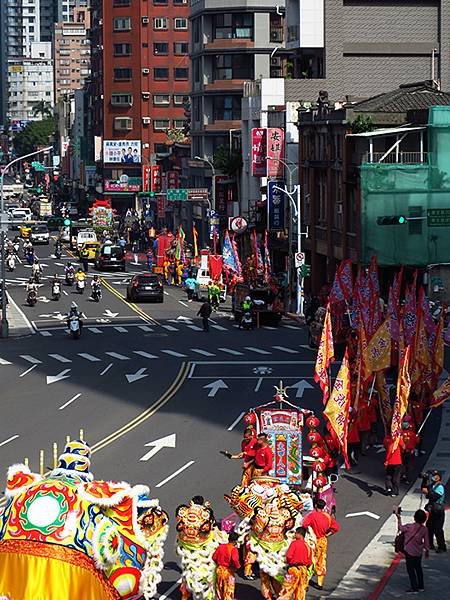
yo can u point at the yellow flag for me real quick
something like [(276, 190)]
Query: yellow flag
[(441, 394), (401, 400), (378, 352), (338, 406)]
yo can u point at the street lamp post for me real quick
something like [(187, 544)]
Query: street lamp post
[(4, 331), (213, 191)]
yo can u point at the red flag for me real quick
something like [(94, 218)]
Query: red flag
[(337, 408), (325, 356), (401, 400), (375, 315), (441, 394), (393, 308)]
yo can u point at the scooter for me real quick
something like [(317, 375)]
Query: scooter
[(37, 277), (31, 298), (58, 252), (80, 285), (56, 291), (96, 294), (74, 327), (70, 276), (247, 321), (30, 258), (11, 263)]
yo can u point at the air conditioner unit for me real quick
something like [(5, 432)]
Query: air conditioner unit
[(146, 120), (275, 61), (145, 95), (145, 71), (145, 20)]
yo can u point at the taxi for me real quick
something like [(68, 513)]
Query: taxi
[(25, 231), (92, 249)]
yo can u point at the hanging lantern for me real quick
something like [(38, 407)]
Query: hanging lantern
[(319, 466), (312, 422), (320, 481), (314, 437), (250, 418), (317, 452)]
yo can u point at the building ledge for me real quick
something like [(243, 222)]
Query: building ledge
[(225, 84), (223, 125), (224, 44)]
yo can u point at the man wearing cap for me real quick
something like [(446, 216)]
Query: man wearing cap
[(435, 493)]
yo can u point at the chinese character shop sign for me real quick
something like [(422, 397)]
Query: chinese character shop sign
[(259, 147), (275, 151), (275, 205)]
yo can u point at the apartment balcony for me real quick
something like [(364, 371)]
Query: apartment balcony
[(401, 158), (225, 85), (229, 44), (223, 125)]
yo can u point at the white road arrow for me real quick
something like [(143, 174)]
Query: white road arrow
[(43, 299), (110, 314), (131, 377), (180, 318), (364, 514), (169, 441), (301, 386), (59, 377), (215, 386), (60, 317)]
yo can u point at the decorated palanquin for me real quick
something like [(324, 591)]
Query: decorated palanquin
[(66, 536), (197, 539)]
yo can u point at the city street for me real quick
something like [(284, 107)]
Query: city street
[(157, 398)]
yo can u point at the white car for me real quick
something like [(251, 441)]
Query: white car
[(20, 214), (39, 234)]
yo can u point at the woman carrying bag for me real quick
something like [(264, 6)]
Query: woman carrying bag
[(415, 541)]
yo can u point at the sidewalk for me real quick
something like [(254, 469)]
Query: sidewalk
[(377, 573), (19, 325)]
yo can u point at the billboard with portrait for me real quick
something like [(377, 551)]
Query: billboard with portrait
[(122, 151)]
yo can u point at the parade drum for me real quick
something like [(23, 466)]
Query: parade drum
[(284, 431)]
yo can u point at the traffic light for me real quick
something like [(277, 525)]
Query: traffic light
[(151, 194), (55, 222), (67, 222), (305, 270), (394, 220)]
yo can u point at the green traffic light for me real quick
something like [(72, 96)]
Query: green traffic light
[(401, 220), (67, 222), (152, 194)]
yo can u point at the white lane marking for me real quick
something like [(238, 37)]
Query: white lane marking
[(54, 378), (121, 329), (144, 354), (145, 328), (168, 441), (117, 355), (13, 437), (258, 384), (22, 314), (170, 328), (140, 374), (191, 371), (45, 333), (177, 472), (283, 349), (173, 353), (195, 328), (229, 351), (69, 402), (31, 359), (65, 293), (364, 514), (106, 369), (267, 327), (183, 303), (203, 352), (95, 330), (27, 371), (235, 422), (89, 357), (219, 327), (4, 362), (170, 590), (62, 359), (166, 293), (291, 327), (257, 350)]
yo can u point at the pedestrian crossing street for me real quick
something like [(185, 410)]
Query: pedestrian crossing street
[(191, 354)]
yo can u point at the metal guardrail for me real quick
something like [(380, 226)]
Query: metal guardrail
[(404, 158)]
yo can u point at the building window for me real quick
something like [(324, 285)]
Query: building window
[(161, 73), (233, 26), (121, 99), (160, 23), (181, 73), (233, 66), (122, 23), (165, 2), (122, 49), (179, 100), (121, 2), (179, 23), (227, 108), (178, 2), (179, 123), (159, 99), (276, 28), (180, 48), (161, 48), (161, 124), (161, 149), (196, 27), (122, 74), (123, 123)]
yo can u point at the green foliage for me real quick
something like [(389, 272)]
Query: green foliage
[(42, 108), (230, 164), (35, 134), (361, 124)]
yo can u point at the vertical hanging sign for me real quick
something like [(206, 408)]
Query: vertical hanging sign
[(275, 151), (275, 205), (259, 147)]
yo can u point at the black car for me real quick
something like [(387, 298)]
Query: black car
[(110, 256), (145, 287)]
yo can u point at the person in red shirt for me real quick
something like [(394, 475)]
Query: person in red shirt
[(299, 559), (323, 525), (393, 465), (247, 453), (410, 441), (364, 425), (226, 557), (263, 457)]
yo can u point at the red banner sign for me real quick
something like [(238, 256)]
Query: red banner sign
[(173, 180), (161, 205), (259, 146), (156, 178), (275, 152), (146, 171)]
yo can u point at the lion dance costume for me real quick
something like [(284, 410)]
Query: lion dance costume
[(66, 536)]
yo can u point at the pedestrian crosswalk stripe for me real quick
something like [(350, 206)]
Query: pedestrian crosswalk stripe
[(45, 333), (4, 362), (257, 350), (144, 354), (195, 328), (121, 329), (169, 328), (62, 359), (229, 351), (283, 349), (173, 353), (118, 356), (95, 330), (31, 359), (89, 357), (292, 327), (145, 328), (203, 352), (219, 327)]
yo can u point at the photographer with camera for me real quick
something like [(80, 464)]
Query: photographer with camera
[(413, 543), (434, 491)]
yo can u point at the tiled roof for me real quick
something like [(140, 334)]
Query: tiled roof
[(414, 96)]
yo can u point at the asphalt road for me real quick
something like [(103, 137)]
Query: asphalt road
[(143, 373)]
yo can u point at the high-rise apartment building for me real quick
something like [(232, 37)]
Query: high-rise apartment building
[(139, 82)]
